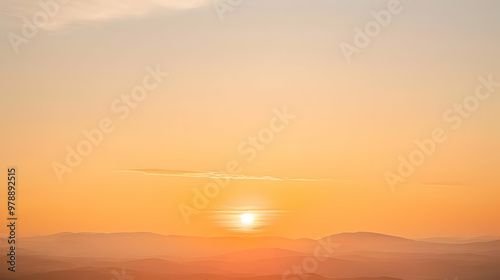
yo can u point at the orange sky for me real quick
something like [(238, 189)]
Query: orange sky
[(226, 79)]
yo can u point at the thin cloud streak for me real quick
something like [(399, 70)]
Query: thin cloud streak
[(219, 175), (86, 12), (435, 185)]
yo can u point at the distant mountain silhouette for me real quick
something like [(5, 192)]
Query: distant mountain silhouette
[(355, 256)]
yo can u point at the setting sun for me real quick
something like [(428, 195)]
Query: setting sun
[(247, 219)]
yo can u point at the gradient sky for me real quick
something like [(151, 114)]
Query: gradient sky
[(352, 121)]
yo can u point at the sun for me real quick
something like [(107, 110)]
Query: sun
[(247, 219)]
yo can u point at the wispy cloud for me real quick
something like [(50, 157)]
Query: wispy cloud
[(83, 12), (435, 185), (220, 175)]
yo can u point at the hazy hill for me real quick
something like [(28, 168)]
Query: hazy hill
[(152, 256)]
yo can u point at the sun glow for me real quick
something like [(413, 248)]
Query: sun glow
[(247, 219)]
